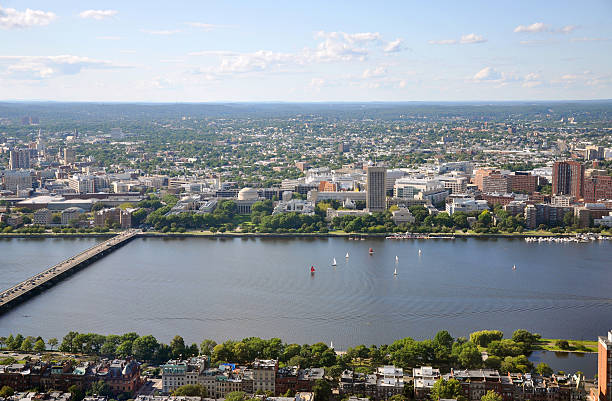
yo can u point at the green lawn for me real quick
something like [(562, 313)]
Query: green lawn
[(548, 344)]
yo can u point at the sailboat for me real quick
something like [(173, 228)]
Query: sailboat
[(396, 259), (312, 270), (514, 267), (371, 251), (347, 255), (420, 252), (395, 272), (331, 344), (334, 262)]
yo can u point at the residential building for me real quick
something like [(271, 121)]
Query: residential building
[(604, 367), (15, 180), (376, 200), (480, 174), (389, 382), (568, 178), (597, 188), (19, 159), (264, 374), (82, 184), (42, 217), (522, 182), (113, 216), (70, 214), (586, 215), (423, 380), (69, 156), (179, 373), (495, 183)]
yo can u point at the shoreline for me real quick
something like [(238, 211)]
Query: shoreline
[(208, 234)]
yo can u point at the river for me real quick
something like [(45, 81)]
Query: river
[(238, 287)]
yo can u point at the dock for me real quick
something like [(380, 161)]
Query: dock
[(49, 277)]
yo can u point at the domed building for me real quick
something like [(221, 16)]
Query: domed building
[(248, 194), (246, 197)]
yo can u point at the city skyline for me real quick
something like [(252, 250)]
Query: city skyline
[(472, 51)]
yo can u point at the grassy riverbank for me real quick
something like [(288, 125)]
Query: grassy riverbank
[(551, 344)]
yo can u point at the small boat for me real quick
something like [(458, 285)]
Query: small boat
[(334, 262), (312, 270), (420, 252), (331, 344), (514, 267), (347, 255), (371, 251), (396, 259), (395, 272), (363, 239)]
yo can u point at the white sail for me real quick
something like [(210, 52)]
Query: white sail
[(334, 263), (347, 255), (395, 272), (396, 259)]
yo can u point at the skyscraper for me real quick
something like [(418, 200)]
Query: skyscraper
[(376, 201), (568, 178), (19, 158), (604, 367)]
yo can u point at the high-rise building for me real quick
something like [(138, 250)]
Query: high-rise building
[(69, 156), (568, 178), (604, 367), (19, 158), (376, 201), (598, 187)]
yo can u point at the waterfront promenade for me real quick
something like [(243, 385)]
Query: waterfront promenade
[(37, 283)]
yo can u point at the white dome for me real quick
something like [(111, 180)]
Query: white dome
[(248, 194)]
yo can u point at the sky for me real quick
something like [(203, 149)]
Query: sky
[(302, 51)]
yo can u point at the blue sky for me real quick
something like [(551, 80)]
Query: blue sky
[(208, 51)]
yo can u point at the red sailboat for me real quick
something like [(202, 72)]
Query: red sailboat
[(312, 269), (371, 251)]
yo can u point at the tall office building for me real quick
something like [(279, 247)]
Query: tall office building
[(604, 367), (568, 178), (19, 158), (69, 156), (376, 201)]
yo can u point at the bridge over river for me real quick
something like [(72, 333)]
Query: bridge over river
[(47, 278)]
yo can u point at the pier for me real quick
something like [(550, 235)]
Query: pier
[(47, 278)]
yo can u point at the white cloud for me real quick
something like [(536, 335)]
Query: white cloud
[(108, 37), (98, 14), (376, 72), (316, 82), (443, 42), (11, 18), (472, 38), (40, 67), (162, 32), (402, 84), (393, 46), (568, 29), (487, 74), (585, 39), (533, 28), (204, 26), (468, 39)]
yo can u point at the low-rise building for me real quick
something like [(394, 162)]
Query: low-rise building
[(70, 214), (42, 217), (423, 380), (402, 216), (466, 205)]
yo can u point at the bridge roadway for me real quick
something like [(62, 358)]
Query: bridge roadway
[(35, 284)]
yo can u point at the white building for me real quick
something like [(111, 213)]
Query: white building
[(420, 188), (295, 205), (264, 374), (605, 221), (424, 379), (466, 205), (82, 184)]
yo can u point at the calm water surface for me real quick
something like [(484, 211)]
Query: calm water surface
[(234, 288)]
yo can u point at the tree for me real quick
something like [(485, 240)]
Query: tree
[(563, 344), (467, 355), (6, 391), (124, 349), (177, 345), (543, 369), (191, 390), (39, 346), (491, 396), (2, 342), (322, 390), (100, 388), (144, 348), (52, 342), (484, 337), (76, 393), (447, 389), (207, 346), (524, 336), (26, 345), (485, 218)]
